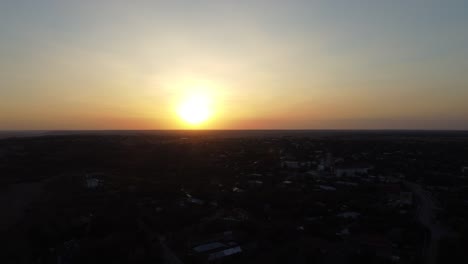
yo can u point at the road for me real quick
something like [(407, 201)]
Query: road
[(426, 211)]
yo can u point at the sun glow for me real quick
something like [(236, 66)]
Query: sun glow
[(195, 109)]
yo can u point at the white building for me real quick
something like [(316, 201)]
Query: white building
[(352, 171), (224, 253)]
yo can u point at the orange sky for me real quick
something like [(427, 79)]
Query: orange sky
[(264, 64)]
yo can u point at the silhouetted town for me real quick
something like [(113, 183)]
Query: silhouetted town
[(235, 197)]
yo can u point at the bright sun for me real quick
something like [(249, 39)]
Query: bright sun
[(195, 109)]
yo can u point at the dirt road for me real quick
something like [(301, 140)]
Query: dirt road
[(427, 207)]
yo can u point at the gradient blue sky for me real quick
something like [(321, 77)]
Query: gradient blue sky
[(267, 64)]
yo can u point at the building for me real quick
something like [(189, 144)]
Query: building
[(352, 170), (296, 164)]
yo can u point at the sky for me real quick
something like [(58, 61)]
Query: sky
[(326, 64)]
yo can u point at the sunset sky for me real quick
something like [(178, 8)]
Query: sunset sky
[(374, 64)]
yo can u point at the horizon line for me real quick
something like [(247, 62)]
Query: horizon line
[(249, 129)]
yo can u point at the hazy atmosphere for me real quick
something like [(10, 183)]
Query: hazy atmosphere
[(233, 64), (234, 131)]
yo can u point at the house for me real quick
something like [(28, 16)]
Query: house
[(195, 201), (352, 170), (255, 183), (93, 180), (327, 188), (349, 215), (224, 253), (238, 190), (215, 247), (346, 183), (208, 247), (296, 164), (465, 170)]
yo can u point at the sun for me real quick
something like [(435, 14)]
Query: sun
[(195, 109)]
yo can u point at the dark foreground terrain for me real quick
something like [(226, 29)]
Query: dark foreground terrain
[(234, 197)]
